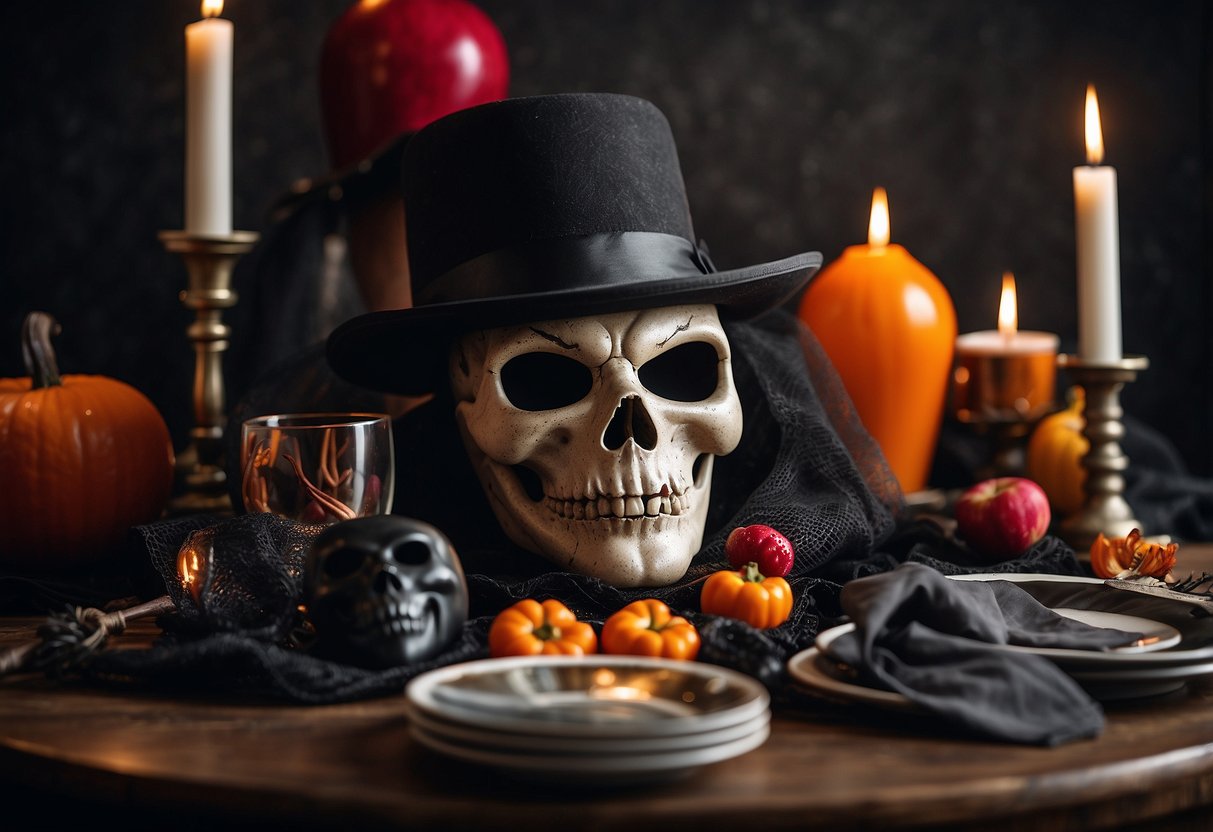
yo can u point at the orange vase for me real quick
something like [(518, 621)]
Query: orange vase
[(889, 327)]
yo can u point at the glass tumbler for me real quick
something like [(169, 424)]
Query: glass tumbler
[(318, 467)]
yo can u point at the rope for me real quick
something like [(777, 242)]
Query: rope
[(69, 639)]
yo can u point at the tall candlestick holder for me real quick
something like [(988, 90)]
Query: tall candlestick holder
[(1105, 511), (201, 485)]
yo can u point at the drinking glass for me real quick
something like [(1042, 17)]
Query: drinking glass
[(318, 467)]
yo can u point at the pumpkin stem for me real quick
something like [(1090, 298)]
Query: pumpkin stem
[(750, 573), (37, 351)]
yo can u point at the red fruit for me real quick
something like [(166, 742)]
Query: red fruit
[(393, 66), (761, 545), (1001, 517)]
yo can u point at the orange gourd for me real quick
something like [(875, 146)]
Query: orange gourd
[(889, 327), (648, 628), (748, 595), (1054, 456), (84, 458), (531, 628)]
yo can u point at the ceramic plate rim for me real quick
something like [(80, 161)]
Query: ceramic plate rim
[(1067, 657), (584, 765), (1157, 658), (505, 742), (1025, 577), (419, 693), (803, 667)]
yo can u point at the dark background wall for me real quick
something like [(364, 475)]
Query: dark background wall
[(786, 114)]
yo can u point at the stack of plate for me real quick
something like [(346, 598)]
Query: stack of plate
[(599, 719), (1177, 644)]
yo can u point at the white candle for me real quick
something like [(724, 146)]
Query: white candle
[(1098, 238), (208, 128)]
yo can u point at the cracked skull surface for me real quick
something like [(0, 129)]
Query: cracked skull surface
[(594, 437), (384, 591)]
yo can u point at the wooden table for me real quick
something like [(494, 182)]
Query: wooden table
[(86, 754)]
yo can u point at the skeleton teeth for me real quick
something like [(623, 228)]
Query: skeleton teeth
[(669, 500)]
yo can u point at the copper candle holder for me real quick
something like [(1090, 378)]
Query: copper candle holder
[(1001, 386), (209, 260), (1105, 510)]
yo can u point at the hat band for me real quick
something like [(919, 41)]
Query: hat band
[(569, 264)]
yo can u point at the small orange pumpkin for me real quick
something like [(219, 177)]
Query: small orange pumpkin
[(84, 458), (1054, 456)]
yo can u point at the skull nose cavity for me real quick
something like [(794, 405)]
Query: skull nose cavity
[(387, 581), (630, 421)]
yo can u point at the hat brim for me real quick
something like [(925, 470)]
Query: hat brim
[(404, 351)]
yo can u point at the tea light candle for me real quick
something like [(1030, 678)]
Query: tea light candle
[(208, 116), (1098, 244), (1008, 375)]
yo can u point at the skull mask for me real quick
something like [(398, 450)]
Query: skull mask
[(594, 437), (384, 591)]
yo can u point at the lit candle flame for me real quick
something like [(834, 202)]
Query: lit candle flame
[(1008, 307), (190, 565), (212, 8), (878, 225), (1094, 129)]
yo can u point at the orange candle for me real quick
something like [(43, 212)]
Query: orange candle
[(889, 327), (1006, 376)]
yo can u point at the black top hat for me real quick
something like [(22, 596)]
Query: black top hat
[(537, 208)]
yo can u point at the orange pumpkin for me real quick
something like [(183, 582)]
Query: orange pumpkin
[(83, 459), (1054, 456)]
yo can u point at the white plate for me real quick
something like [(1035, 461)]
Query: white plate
[(1108, 660), (509, 742), (1168, 637), (596, 769), (589, 696), (1026, 577), (1164, 635)]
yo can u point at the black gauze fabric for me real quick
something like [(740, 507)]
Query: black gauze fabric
[(805, 466), (933, 640)]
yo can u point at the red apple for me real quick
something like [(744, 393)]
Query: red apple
[(761, 545), (390, 67), (1001, 517)]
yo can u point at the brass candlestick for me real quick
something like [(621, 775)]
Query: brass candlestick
[(1105, 510), (209, 260)]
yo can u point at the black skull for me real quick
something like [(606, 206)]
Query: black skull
[(384, 591)]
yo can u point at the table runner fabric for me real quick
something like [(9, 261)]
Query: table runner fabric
[(933, 640), (805, 465)]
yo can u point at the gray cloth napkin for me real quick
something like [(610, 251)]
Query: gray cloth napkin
[(929, 638)]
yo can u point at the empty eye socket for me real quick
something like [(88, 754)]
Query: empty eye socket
[(342, 563), (545, 381), (687, 373), (412, 553)]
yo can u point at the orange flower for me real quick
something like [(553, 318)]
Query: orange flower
[(1131, 556)]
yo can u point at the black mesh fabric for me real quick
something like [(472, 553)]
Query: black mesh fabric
[(805, 466)]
